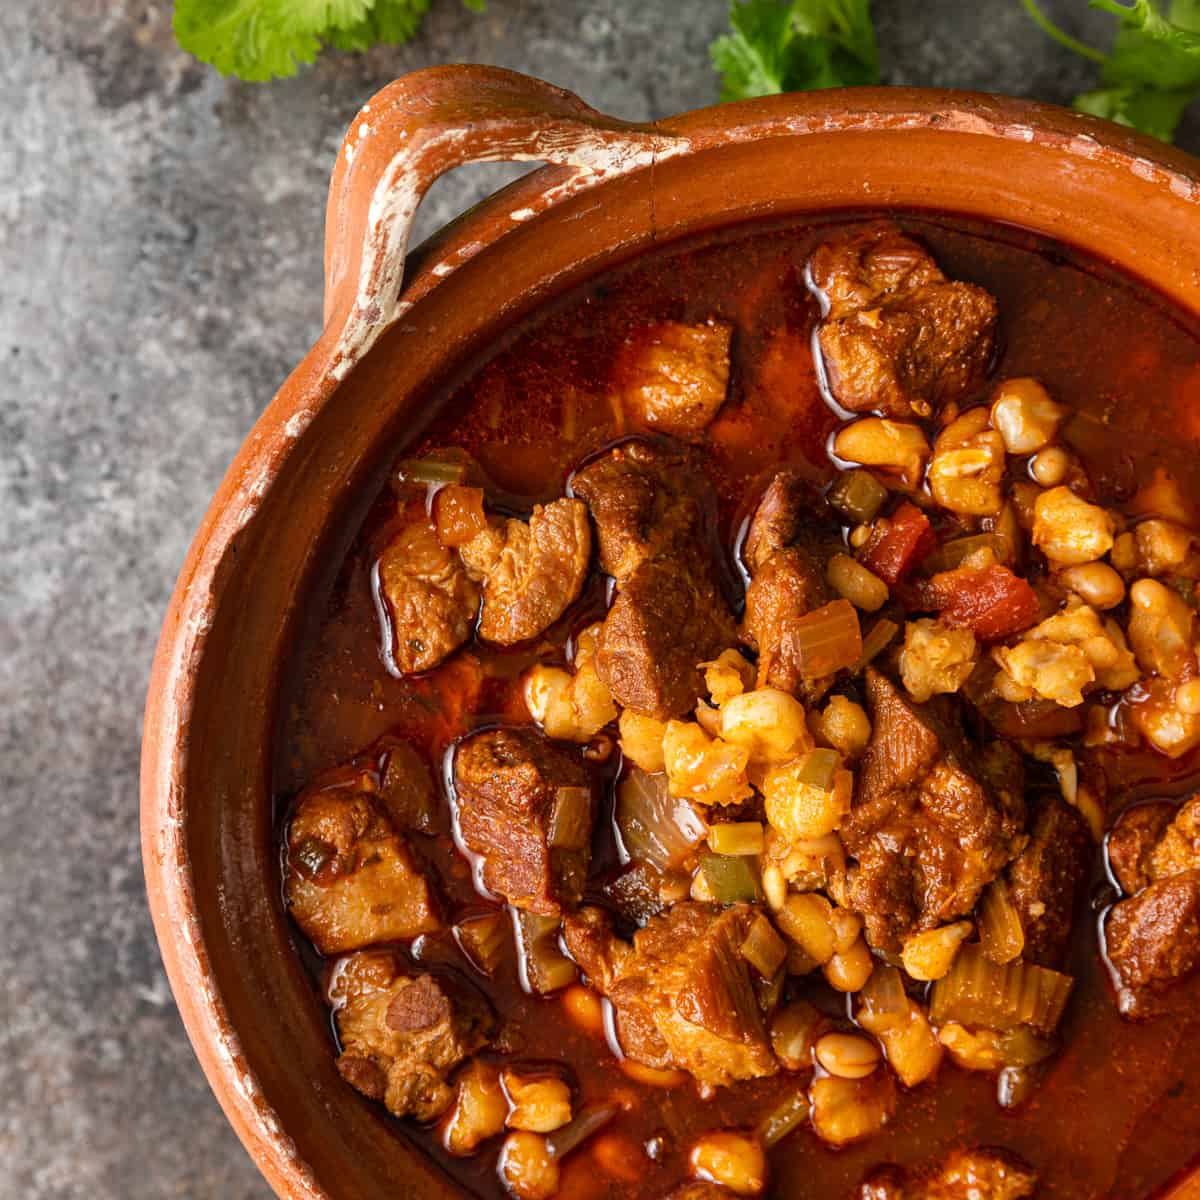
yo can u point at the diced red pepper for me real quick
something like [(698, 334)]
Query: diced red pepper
[(907, 540), (991, 602)]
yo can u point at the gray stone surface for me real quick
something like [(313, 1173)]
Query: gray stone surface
[(160, 240)]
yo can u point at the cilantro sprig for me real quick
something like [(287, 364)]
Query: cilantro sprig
[(259, 40), (796, 46), (1152, 72)]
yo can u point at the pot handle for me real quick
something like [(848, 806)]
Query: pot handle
[(415, 130)]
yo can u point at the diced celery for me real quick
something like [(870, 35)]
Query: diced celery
[(789, 1114), (818, 769), (730, 878), (1000, 932), (542, 965), (764, 949), (827, 639), (977, 991), (736, 837), (857, 495)]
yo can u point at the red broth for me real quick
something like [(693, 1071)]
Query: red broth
[(1119, 1113)]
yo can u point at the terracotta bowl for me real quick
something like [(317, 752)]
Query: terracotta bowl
[(394, 330)]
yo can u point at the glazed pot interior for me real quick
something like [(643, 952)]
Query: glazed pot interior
[(278, 1064)]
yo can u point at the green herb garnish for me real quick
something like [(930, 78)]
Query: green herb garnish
[(266, 39), (1152, 72), (796, 46)]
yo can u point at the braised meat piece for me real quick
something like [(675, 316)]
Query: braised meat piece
[(934, 818), (1045, 877), (598, 952), (787, 544), (668, 615), (662, 624), (982, 1174), (406, 788), (673, 377), (351, 878), (403, 1033), (531, 571), (1152, 941), (644, 499), (1178, 849), (899, 336), (526, 807), (1132, 842), (683, 995), (431, 599)]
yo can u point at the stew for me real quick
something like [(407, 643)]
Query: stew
[(747, 746)]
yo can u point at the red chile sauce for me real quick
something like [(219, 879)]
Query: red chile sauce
[(1119, 1114)]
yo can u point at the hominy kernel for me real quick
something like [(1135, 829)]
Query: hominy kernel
[(847, 925), (929, 955), (733, 1160), (848, 972), (537, 1105), (1187, 697), (527, 1167), (1069, 530), (774, 886), (845, 726), (1025, 415), (584, 1007)]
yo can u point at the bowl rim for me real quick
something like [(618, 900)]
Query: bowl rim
[(171, 883)]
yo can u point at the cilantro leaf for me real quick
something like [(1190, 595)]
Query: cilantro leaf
[(267, 39), (386, 21), (243, 37), (1152, 110), (1152, 72), (795, 46)]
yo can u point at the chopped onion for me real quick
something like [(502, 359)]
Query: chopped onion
[(789, 1114), (876, 641), (589, 1121), (542, 966), (827, 639), (763, 948), (977, 991), (730, 878), (656, 827), (482, 940), (736, 837), (857, 495), (571, 818), (885, 1003), (1000, 934)]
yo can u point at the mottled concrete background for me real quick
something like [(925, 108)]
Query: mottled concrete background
[(160, 248)]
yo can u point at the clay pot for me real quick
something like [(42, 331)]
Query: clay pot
[(394, 330)]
